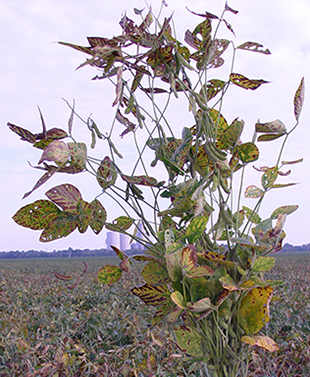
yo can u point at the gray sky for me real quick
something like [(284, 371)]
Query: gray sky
[(37, 71)]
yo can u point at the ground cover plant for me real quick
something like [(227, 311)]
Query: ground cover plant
[(206, 252), (50, 330)]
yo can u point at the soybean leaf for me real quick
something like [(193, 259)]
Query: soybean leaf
[(121, 223), (261, 341), (142, 180), (212, 88), (45, 177), (269, 137), (36, 215), (162, 311), (269, 177), (64, 224), (189, 341), (299, 99), (106, 173), (247, 152), (251, 216), (244, 82), (196, 228), (254, 309), (231, 135), (65, 196), (109, 274), (284, 210), (254, 46), (56, 151), (99, 216), (84, 213), (274, 126), (23, 133), (154, 273), (292, 162), (253, 192), (263, 264), (152, 295)]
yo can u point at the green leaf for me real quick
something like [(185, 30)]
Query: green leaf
[(252, 216), (299, 99), (247, 152), (109, 274), (106, 173), (244, 82), (254, 309), (263, 264), (121, 223), (154, 273), (253, 192), (36, 215), (99, 216), (64, 224), (286, 210), (188, 340), (152, 295), (275, 126), (65, 196), (269, 177), (196, 228), (255, 47)]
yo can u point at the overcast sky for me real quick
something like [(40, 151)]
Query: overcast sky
[(35, 70)]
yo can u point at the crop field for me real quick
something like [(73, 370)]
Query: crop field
[(48, 329)]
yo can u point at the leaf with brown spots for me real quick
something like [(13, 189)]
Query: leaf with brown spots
[(254, 309), (245, 83), (36, 215), (152, 295)]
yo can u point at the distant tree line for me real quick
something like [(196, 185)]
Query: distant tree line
[(291, 248), (69, 253)]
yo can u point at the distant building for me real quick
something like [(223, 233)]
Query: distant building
[(113, 238), (125, 242)]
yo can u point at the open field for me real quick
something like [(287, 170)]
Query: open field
[(47, 329)]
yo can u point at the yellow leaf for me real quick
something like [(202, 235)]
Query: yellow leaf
[(261, 341)]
